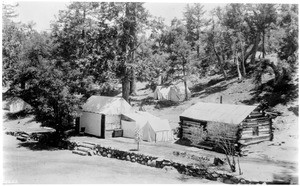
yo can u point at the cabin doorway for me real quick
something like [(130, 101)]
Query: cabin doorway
[(102, 126)]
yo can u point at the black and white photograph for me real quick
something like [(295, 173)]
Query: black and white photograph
[(141, 92)]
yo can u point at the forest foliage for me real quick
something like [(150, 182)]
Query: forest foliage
[(94, 46)]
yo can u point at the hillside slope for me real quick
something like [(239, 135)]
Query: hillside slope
[(284, 147)]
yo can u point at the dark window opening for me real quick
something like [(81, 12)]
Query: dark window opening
[(204, 126), (255, 131)]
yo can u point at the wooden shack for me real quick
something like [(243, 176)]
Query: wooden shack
[(242, 125)]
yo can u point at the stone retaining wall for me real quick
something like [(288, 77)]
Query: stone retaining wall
[(187, 169)]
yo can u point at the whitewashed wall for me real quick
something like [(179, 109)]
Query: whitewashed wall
[(91, 122)]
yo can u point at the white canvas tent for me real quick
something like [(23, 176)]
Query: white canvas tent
[(177, 93), (153, 129), (161, 93), (173, 93), (17, 104), (101, 113)]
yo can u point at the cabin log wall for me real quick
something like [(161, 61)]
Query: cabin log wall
[(242, 136)]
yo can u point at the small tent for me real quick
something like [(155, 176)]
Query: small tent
[(153, 129), (17, 104), (174, 93), (177, 93), (101, 114), (161, 93)]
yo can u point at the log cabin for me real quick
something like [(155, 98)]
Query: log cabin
[(242, 125)]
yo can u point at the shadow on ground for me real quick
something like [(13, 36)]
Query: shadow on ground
[(203, 90), (274, 95), (165, 104), (36, 146), (18, 115), (201, 86), (48, 142)]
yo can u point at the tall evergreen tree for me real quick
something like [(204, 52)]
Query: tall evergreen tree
[(194, 22)]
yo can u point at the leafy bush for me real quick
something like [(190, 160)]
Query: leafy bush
[(18, 115), (223, 135)]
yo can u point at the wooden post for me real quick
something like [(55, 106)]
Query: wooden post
[(220, 99)]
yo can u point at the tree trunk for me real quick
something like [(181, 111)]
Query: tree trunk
[(160, 80), (243, 61), (240, 170), (185, 83), (186, 91), (128, 81), (133, 83), (220, 63), (238, 69), (125, 88), (253, 52), (243, 68), (278, 71), (132, 45), (233, 166), (237, 62), (253, 49), (222, 67), (197, 41), (263, 43), (242, 57)]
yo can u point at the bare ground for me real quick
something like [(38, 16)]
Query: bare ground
[(22, 165)]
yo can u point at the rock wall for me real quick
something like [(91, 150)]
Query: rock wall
[(158, 162), (189, 169)]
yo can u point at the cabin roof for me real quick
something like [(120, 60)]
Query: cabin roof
[(222, 113)]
